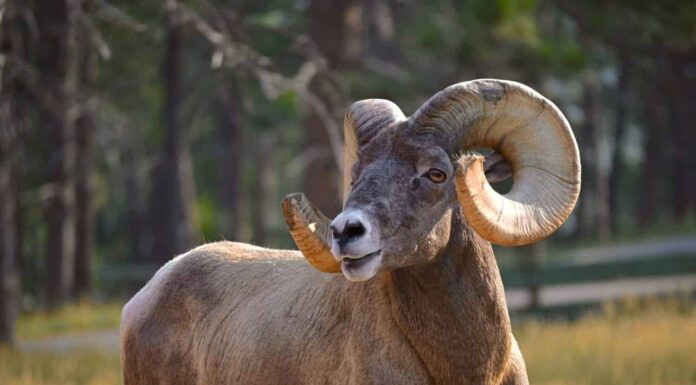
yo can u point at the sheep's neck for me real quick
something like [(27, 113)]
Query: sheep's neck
[(453, 311)]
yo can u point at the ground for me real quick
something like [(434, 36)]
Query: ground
[(636, 342)]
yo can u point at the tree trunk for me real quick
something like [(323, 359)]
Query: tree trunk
[(84, 134), (264, 187), (230, 163), (335, 27), (690, 100), (321, 179), (12, 119), (138, 229), (647, 207), (9, 277), (382, 30), (56, 61), (173, 195), (617, 166), (584, 204), (594, 127), (678, 92)]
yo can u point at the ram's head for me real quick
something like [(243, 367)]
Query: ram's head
[(403, 176)]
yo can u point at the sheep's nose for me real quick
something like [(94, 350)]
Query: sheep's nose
[(347, 227)]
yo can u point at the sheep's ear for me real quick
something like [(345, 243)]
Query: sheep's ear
[(363, 121)]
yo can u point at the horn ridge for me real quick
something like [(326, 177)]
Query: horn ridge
[(534, 137), (309, 228), (363, 120)]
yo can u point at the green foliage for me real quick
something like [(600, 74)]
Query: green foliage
[(205, 210), (552, 46), (518, 21)]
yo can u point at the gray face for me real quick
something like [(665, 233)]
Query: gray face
[(398, 212)]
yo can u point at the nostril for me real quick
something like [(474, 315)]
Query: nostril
[(347, 227), (354, 229)]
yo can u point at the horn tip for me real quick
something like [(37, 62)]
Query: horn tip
[(293, 198), (292, 209)]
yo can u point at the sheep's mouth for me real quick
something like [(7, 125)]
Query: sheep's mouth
[(354, 262), (362, 268)]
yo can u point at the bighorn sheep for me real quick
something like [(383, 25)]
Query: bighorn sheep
[(426, 302)]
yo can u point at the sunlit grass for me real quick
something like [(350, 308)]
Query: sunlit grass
[(74, 367), (71, 368), (71, 319), (634, 342)]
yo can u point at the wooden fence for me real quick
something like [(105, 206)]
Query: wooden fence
[(124, 280), (641, 271)]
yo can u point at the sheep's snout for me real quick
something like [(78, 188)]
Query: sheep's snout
[(356, 243)]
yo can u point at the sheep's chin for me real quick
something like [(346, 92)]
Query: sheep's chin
[(362, 270)]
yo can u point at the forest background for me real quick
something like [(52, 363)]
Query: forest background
[(132, 131)]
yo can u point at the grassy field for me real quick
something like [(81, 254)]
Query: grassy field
[(78, 367), (88, 367), (72, 319), (631, 343)]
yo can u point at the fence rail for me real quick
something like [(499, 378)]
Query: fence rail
[(658, 266), (126, 279)]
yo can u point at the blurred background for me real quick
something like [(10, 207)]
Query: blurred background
[(133, 131)]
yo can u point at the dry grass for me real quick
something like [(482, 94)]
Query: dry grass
[(87, 367), (635, 342), (73, 368), (70, 319), (638, 343)]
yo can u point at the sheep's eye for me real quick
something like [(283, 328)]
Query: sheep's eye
[(435, 175)]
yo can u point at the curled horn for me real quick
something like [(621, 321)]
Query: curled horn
[(534, 137), (308, 227)]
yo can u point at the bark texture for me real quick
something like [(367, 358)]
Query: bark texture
[(230, 158), (173, 194), (55, 57), (85, 131)]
